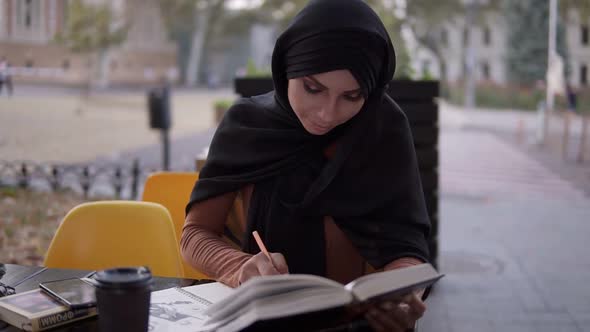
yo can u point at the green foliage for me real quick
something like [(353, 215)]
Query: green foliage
[(427, 75), (181, 18), (8, 192), (393, 26), (583, 101), (90, 28), (178, 16), (499, 97), (580, 6), (428, 18), (282, 11), (527, 48), (433, 13), (223, 104), (253, 71), (514, 97)]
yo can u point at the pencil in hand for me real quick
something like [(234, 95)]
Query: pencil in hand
[(263, 247)]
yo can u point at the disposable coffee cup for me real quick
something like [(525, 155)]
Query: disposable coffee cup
[(123, 299)]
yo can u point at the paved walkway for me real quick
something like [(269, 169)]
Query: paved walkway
[(55, 126), (513, 237)]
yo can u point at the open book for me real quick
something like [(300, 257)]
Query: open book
[(300, 302)]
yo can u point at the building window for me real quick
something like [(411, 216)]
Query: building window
[(444, 37), (584, 75), (65, 64), (485, 71), (28, 13), (487, 36), (584, 34), (465, 37), (1, 17)]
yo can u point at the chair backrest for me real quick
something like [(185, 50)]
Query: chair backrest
[(104, 234), (172, 190)]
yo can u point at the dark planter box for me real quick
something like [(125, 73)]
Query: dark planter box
[(252, 86), (418, 101)]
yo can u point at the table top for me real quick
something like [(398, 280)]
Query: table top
[(25, 278)]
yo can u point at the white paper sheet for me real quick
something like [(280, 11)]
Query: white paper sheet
[(181, 309)]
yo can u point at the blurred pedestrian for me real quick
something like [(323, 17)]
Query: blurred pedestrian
[(572, 100), (5, 76)]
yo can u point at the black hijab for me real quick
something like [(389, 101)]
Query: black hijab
[(371, 186)]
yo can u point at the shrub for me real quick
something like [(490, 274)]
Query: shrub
[(495, 96)]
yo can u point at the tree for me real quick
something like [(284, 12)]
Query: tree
[(527, 48), (581, 6), (92, 29), (428, 19), (190, 23)]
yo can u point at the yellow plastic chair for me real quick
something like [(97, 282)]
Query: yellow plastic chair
[(105, 234), (173, 190)]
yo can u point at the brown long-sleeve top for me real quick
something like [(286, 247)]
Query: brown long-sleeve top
[(203, 248)]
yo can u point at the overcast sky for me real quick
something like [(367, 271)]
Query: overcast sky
[(239, 4)]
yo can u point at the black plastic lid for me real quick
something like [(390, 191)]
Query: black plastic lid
[(124, 277)]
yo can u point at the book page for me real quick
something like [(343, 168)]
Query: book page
[(212, 292), (394, 282), (276, 296), (295, 302), (181, 309), (258, 287)]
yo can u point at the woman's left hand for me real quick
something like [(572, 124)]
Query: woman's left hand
[(396, 317)]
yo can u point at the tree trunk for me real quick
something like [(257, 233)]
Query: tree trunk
[(583, 138), (197, 43), (428, 41), (566, 134), (103, 69)]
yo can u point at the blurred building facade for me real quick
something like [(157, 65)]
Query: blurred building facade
[(578, 41), (27, 34), (489, 41)]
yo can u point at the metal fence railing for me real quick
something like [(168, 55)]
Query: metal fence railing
[(120, 180)]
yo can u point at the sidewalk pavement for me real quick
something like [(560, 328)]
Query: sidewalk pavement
[(513, 235), (41, 90), (512, 122), (519, 130)]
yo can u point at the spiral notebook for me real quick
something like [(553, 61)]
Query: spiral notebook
[(181, 309)]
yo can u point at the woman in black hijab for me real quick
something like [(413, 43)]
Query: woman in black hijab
[(325, 164)]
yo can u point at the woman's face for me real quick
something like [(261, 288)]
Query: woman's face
[(326, 100)]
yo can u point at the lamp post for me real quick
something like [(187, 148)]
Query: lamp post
[(470, 59), (545, 112)]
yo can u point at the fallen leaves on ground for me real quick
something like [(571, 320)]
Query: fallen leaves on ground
[(28, 221)]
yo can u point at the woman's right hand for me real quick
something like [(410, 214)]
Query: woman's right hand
[(259, 265)]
